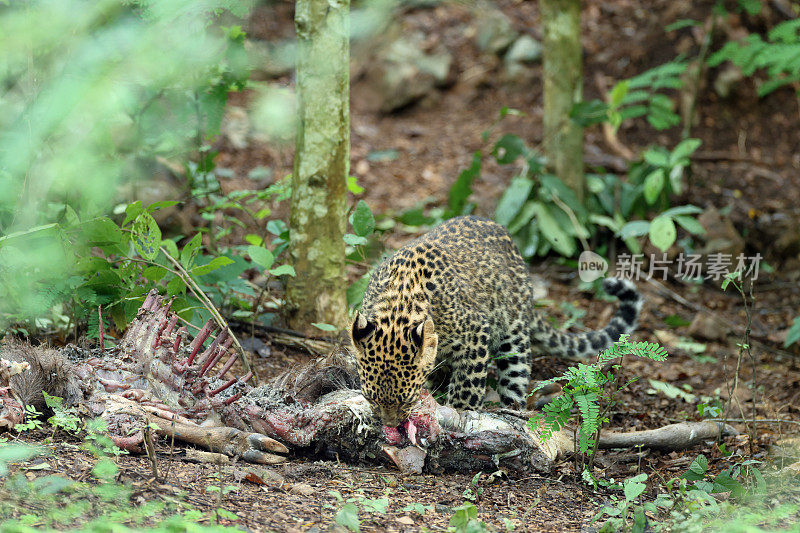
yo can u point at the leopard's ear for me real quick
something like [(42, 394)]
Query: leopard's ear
[(424, 337), (361, 329), (418, 333)]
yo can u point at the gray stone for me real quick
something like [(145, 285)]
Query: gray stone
[(526, 49), (401, 72), (721, 235), (706, 327), (270, 60), (495, 33)]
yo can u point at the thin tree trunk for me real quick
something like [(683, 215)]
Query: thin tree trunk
[(563, 87), (321, 165)]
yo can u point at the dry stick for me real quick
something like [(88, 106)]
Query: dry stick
[(602, 415), (100, 328), (574, 219), (701, 59), (757, 420), (746, 343), (609, 133), (744, 346), (150, 448), (200, 295), (666, 291)]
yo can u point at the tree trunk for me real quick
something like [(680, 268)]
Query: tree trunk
[(563, 87), (321, 165)]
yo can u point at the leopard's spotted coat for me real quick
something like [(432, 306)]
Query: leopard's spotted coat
[(459, 297)]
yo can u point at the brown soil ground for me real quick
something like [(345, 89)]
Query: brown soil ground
[(748, 158)]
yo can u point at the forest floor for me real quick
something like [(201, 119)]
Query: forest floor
[(749, 159)]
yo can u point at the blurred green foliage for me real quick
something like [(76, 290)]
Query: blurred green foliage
[(91, 92)]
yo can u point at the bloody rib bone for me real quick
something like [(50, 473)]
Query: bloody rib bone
[(199, 340)]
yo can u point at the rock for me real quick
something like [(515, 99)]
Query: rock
[(706, 327), (526, 49), (410, 460), (270, 60), (236, 126), (495, 33), (721, 235), (786, 450), (791, 470), (263, 476), (728, 80), (302, 489), (402, 71), (273, 114)]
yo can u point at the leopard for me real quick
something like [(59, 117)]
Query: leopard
[(458, 298)]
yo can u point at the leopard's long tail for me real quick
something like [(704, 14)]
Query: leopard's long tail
[(548, 340)]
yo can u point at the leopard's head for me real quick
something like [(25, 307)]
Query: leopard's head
[(394, 357)]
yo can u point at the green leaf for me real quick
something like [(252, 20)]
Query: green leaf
[(680, 24), (154, 273), (155, 206), (589, 113), (793, 335), (415, 217), (105, 470), (671, 391), (657, 157), (463, 515), (176, 286), (634, 487), (653, 185), (277, 227), (354, 240), (634, 228), (375, 505), (146, 236), (101, 232), (171, 248), (52, 484), (697, 470), (189, 252), (283, 270), (324, 327), (690, 224), (132, 211), (513, 199), (684, 150), (211, 266), (752, 7), (462, 188), (253, 239), (606, 221), (261, 256), (675, 321), (16, 453), (363, 220), (617, 93), (561, 241), (676, 179), (508, 149), (553, 187), (355, 292), (348, 517), (663, 232), (523, 217), (681, 210), (353, 186)]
